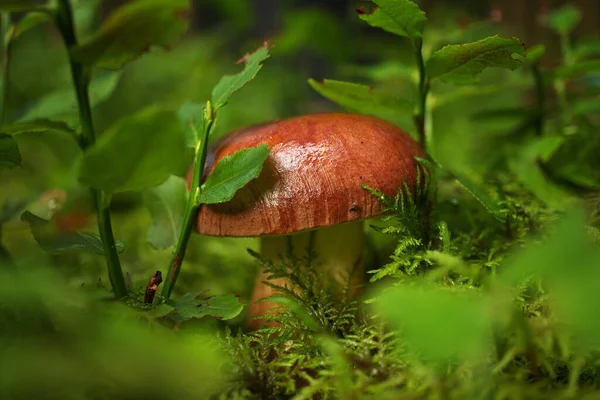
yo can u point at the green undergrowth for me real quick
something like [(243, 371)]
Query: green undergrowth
[(482, 278)]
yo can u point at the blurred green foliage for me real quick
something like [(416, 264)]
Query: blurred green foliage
[(502, 306)]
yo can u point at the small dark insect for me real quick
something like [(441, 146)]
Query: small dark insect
[(354, 207)]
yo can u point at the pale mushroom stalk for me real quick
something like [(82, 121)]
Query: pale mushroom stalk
[(339, 251)]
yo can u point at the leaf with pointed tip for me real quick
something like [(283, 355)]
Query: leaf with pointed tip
[(196, 306), (232, 173), (462, 63), (137, 152), (131, 30), (166, 204), (564, 20), (10, 156), (53, 240), (230, 84), (400, 17), (362, 99)]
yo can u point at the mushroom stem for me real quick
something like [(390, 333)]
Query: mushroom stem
[(339, 251)]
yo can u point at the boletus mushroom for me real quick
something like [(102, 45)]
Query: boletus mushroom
[(311, 182)]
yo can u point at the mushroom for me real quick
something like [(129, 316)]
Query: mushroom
[(311, 182)]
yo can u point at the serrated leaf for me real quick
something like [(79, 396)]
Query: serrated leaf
[(196, 306), (439, 324), (230, 84), (131, 30), (232, 173), (54, 241), (22, 5), (461, 64), (166, 204), (137, 152), (362, 99), (10, 156), (400, 17), (564, 20)]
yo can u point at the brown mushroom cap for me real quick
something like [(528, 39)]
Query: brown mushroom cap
[(313, 176)]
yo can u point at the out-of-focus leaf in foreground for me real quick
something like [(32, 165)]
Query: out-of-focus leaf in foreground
[(10, 156), (462, 63), (568, 262), (79, 345), (131, 30), (439, 324)]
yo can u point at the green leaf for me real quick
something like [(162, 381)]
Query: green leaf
[(564, 20), (166, 204), (137, 152), (579, 68), (10, 156), (568, 261), (230, 84), (480, 195), (232, 173), (437, 323), (22, 5), (586, 49), (461, 64), (37, 126), (535, 53), (54, 241), (131, 30), (400, 17), (362, 99), (62, 104), (191, 306)]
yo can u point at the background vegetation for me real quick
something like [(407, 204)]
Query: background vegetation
[(499, 301)]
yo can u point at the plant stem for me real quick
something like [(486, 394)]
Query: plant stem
[(560, 85), (81, 81), (191, 209), (423, 89)]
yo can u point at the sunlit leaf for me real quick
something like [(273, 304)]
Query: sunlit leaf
[(400, 17), (230, 84), (53, 240), (362, 99), (439, 324), (461, 64), (565, 19), (137, 152), (166, 204), (199, 305), (232, 173), (131, 30), (10, 156)]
